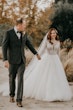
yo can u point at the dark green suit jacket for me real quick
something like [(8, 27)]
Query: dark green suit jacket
[(13, 48)]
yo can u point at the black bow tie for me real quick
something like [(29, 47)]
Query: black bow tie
[(19, 32)]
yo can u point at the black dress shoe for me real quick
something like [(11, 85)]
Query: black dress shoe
[(12, 99), (19, 104)]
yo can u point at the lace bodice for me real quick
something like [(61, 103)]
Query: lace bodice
[(53, 48)]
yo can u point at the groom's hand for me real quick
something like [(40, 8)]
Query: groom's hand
[(6, 64), (38, 56)]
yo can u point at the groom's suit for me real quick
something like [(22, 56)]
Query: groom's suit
[(13, 51)]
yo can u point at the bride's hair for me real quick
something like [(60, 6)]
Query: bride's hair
[(49, 34)]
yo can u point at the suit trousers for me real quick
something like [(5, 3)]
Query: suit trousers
[(16, 70)]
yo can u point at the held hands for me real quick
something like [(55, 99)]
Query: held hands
[(6, 64), (38, 56)]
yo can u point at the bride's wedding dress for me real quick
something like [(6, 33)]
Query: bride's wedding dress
[(45, 79)]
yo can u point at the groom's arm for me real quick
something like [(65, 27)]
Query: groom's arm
[(30, 46), (5, 44)]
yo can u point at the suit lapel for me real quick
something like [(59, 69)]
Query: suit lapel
[(16, 37), (15, 34)]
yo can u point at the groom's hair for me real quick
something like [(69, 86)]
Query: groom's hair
[(19, 21)]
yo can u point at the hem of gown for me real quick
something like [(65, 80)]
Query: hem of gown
[(51, 100)]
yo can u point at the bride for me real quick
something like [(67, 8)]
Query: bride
[(45, 79)]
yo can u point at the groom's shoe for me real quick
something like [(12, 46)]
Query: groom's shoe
[(19, 104), (12, 99)]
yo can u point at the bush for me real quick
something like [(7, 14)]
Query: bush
[(62, 20), (3, 28)]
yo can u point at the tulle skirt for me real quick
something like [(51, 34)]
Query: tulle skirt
[(47, 81)]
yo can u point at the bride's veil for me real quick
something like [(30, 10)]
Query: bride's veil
[(31, 66)]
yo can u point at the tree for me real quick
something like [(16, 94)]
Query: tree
[(37, 21), (3, 11), (62, 20)]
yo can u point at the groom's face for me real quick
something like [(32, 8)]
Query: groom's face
[(22, 26)]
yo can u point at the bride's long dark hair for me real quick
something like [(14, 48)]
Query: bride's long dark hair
[(49, 34)]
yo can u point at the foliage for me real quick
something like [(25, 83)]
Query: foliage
[(3, 28), (62, 20), (37, 20)]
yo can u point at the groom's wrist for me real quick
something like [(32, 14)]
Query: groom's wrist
[(36, 53)]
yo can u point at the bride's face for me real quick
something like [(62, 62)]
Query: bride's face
[(53, 34)]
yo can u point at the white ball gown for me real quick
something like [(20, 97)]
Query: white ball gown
[(45, 79)]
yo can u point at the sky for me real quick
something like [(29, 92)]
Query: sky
[(42, 5)]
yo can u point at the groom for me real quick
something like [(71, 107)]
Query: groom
[(14, 57)]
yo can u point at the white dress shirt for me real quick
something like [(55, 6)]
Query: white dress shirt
[(16, 31)]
